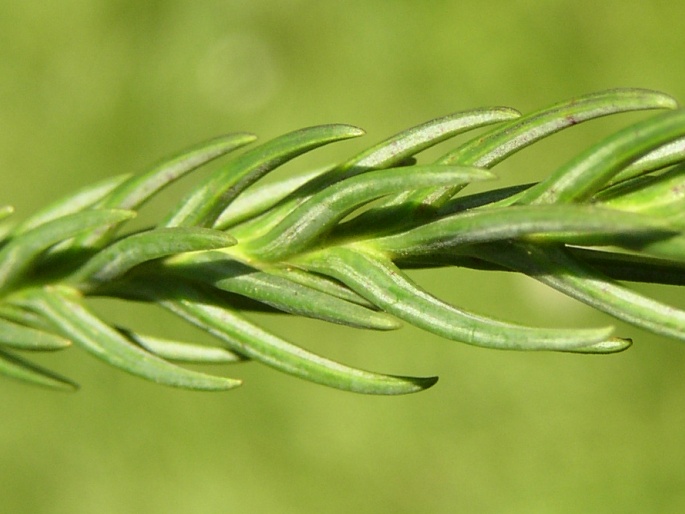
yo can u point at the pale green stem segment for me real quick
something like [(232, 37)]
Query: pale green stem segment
[(308, 223), (181, 351), (203, 206), (555, 267), (245, 338), (20, 369), (593, 169), (374, 276), (584, 224), (61, 307), (22, 251), (21, 337), (120, 257), (82, 199), (503, 141), (277, 291)]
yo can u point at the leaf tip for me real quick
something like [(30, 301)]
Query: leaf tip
[(610, 345), (354, 131), (68, 387), (415, 384), (6, 210), (424, 383)]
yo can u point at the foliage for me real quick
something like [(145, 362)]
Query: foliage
[(333, 245)]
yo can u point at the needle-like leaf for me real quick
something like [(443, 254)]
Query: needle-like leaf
[(320, 283), (506, 139), (125, 254), (87, 331), (586, 174), (574, 223), (655, 195), (23, 316), (259, 199), (205, 203), (315, 217), (82, 199), (664, 156), (183, 352), (135, 191), (393, 152), (254, 342), (22, 337), (397, 149), (382, 283), (552, 265), (618, 266), (630, 267), (20, 369), (277, 291), (332, 244), (21, 252)]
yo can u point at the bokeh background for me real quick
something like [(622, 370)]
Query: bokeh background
[(92, 88)]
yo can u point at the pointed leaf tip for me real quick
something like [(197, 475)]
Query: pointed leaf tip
[(242, 336), (376, 277), (6, 210), (203, 205), (18, 368), (612, 345)]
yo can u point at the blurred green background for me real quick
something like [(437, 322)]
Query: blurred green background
[(92, 88)]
